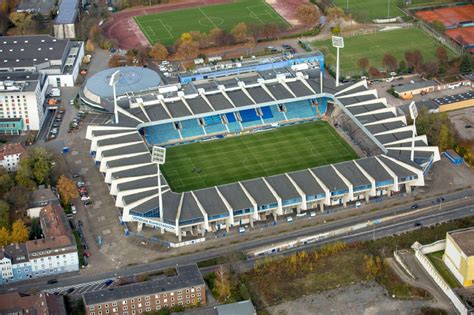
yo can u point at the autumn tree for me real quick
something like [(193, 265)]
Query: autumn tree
[(240, 32), (442, 55), (6, 181), (158, 52), (22, 20), (89, 46), (18, 196), (308, 14), (19, 233), (4, 236), (389, 62), (429, 69), (414, 59), (363, 64), (4, 22), (445, 139), (95, 33), (186, 47), (373, 266), (270, 30), (4, 214), (116, 61), (40, 162), (222, 283), (201, 38), (67, 190), (374, 72), (23, 173), (465, 67), (335, 14)]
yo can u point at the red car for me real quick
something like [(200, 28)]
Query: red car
[(87, 253)]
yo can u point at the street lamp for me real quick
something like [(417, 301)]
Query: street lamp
[(158, 156), (114, 78), (413, 115)]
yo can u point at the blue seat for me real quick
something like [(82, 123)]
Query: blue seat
[(230, 117), (249, 115), (299, 110), (191, 128), (161, 133), (276, 115), (213, 124), (266, 112)]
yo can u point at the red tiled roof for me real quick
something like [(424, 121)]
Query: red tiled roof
[(11, 149)]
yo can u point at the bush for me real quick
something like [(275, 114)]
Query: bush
[(336, 30)]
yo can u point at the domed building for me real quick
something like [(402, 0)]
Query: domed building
[(97, 93)]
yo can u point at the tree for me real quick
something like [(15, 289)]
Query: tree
[(222, 284), (445, 138), (4, 214), (429, 69), (363, 64), (201, 38), (158, 52), (22, 21), (335, 14), (221, 37), (23, 173), (402, 67), (389, 62), (35, 230), (465, 67), (186, 47), (95, 33), (374, 72), (240, 32), (442, 55), (414, 59), (41, 164), (270, 30), (89, 46), (308, 14), (116, 61), (67, 190), (6, 181), (4, 22), (438, 25), (19, 232), (19, 197), (4, 236)]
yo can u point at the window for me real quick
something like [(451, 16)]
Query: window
[(157, 301), (125, 308), (147, 298), (100, 307), (132, 301), (147, 303), (172, 293), (198, 289), (133, 307), (164, 295), (148, 309), (187, 301), (124, 302), (198, 294), (158, 308), (139, 299), (91, 313), (172, 299), (140, 311), (114, 304), (165, 300)]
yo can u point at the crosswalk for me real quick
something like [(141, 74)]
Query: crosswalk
[(79, 289)]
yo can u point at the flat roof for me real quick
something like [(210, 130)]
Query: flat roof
[(415, 86), (465, 240), (67, 12), (187, 276)]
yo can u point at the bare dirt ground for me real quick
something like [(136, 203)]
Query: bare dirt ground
[(286, 8), (360, 298)]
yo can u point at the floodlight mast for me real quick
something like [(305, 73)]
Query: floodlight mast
[(413, 115), (113, 82), (158, 156), (337, 42)]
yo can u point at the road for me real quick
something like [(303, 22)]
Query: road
[(456, 205)]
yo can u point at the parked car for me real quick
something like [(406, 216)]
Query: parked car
[(108, 282), (73, 209), (79, 223), (87, 253), (80, 184), (52, 281), (87, 202), (241, 230), (312, 214), (69, 291), (85, 197), (418, 224), (289, 219), (415, 206), (75, 175)]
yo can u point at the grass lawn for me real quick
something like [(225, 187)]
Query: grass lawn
[(167, 27), (374, 46), (205, 164), (367, 10), (436, 259)]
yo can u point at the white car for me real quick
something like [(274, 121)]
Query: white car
[(73, 209), (312, 214), (165, 62), (85, 197), (241, 230), (289, 219)]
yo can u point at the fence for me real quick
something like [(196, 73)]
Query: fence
[(420, 251), (400, 261), (442, 38)]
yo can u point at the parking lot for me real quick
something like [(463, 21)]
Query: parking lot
[(463, 121), (96, 118)]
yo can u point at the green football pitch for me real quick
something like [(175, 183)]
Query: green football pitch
[(205, 164), (367, 10), (374, 46), (167, 27)]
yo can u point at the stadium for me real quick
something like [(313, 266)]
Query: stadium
[(278, 110)]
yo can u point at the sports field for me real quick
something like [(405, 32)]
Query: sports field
[(367, 10), (285, 149), (167, 27), (374, 46)]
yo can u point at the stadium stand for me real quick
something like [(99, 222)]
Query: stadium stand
[(249, 118), (232, 123), (161, 133), (213, 124), (191, 128), (299, 110)]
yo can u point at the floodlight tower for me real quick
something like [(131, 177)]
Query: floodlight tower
[(413, 115), (337, 42), (113, 82), (158, 156)]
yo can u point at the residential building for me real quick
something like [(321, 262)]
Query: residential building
[(10, 155), (59, 59), (55, 253), (187, 288), (459, 255), (22, 96), (39, 304), (11, 126), (40, 198)]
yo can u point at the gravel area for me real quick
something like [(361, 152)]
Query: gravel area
[(361, 298)]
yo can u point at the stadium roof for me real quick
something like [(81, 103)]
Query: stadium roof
[(373, 116)]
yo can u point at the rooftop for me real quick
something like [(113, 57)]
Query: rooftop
[(67, 13), (465, 240), (238, 308), (43, 303), (11, 149), (415, 86), (187, 276)]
